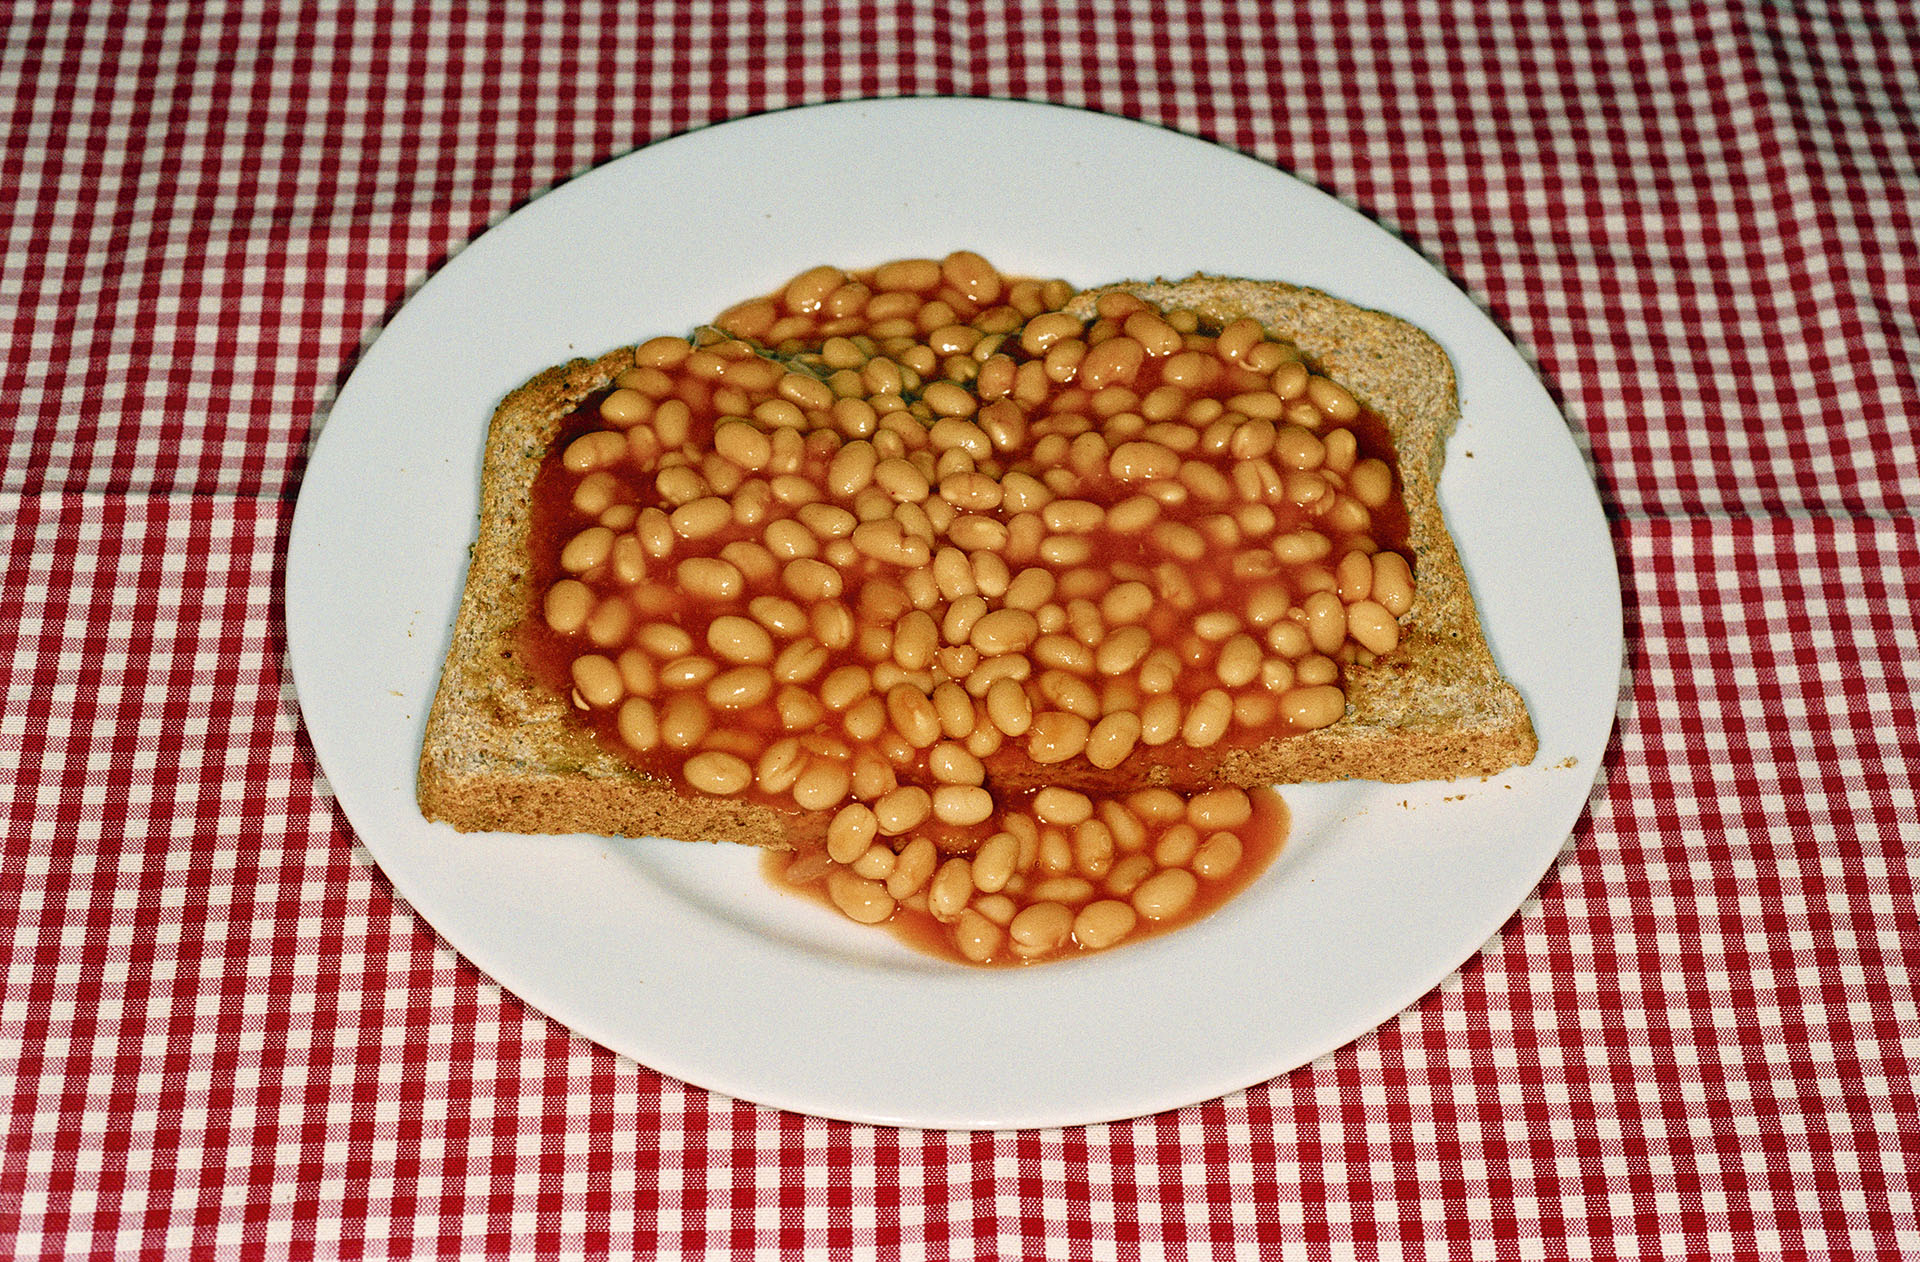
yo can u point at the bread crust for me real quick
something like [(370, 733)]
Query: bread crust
[(502, 753)]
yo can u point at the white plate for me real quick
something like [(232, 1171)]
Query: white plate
[(679, 955)]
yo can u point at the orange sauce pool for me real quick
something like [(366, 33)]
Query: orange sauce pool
[(1263, 838)]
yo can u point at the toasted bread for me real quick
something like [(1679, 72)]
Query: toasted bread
[(502, 752)]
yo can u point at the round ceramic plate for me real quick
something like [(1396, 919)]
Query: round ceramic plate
[(680, 955)]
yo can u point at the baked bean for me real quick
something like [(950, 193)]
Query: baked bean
[(1165, 894), (1217, 856), (952, 763), (826, 521), (1068, 692), (1216, 625), (1128, 873), (1345, 515), (1315, 670), (1207, 483), (637, 673), (625, 407), (594, 451), (1127, 602), (1392, 583), (1176, 846), (777, 614), (876, 863), (915, 638), (1117, 359), (740, 640), (1093, 848), (955, 708), (972, 276), (1342, 450), (957, 626), (1003, 631), (1053, 853), (1371, 482), (995, 862), (850, 832), (852, 468), (808, 579), (1041, 927), (1104, 923), (901, 479), (1259, 405), (1372, 627), (639, 724), (953, 574), (1069, 891), (629, 560), (741, 688), (722, 775), (743, 443), (709, 578), (860, 899), (975, 533), (1239, 661), (1238, 338), (948, 399), (687, 672), (684, 720), (962, 805), (903, 810), (1326, 621), (1113, 738), (822, 785), (873, 777), (1063, 652), (1140, 461), (1332, 399), (1354, 575), (1073, 516), (976, 937), (596, 492), (1055, 805), (1056, 736), (912, 715), (1159, 672), (788, 540), (949, 889), (1313, 707), (567, 606), (1159, 720), (597, 682), (912, 869), (1301, 547), (755, 563), (1008, 707), (1047, 328), (1128, 832), (800, 710)]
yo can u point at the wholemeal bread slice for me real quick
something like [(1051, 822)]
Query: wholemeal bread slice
[(502, 752)]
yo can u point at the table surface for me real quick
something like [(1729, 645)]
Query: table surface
[(222, 1032)]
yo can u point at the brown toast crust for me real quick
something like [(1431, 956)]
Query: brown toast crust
[(502, 753)]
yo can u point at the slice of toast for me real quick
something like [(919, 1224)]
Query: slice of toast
[(502, 752)]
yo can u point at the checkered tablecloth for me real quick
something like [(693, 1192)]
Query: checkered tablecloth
[(222, 1034)]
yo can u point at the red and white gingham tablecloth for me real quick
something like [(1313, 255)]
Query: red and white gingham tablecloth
[(222, 1034)]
